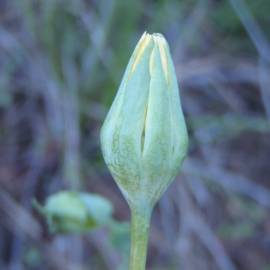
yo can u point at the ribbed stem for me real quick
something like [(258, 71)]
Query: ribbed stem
[(140, 224)]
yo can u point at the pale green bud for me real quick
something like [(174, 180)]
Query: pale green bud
[(74, 212), (144, 138)]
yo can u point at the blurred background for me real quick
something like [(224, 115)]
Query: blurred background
[(61, 62)]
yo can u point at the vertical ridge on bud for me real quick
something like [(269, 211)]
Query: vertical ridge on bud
[(143, 42), (161, 42), (158, 140)]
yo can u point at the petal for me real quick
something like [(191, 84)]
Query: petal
[(121, 132), (180, 136), (158, 141)]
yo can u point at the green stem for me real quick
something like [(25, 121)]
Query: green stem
[(140, 223)]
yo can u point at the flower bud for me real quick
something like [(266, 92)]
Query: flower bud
[(75, 212), (144, 138)]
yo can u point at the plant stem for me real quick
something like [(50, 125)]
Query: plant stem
[(140, 223)]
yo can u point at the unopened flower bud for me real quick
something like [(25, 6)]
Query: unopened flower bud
[(144, 138), (75, 212)]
